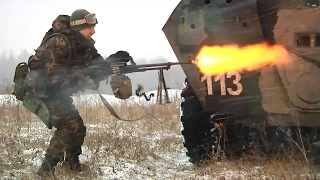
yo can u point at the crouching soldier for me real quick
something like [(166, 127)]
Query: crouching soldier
[(55, 74)]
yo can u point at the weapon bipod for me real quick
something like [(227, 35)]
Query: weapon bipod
[(161, 85)]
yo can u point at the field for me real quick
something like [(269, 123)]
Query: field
[(151, 148)]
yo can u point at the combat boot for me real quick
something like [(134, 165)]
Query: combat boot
[(47, 168), (73, 163)]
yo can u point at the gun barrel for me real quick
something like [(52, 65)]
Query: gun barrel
[(147, 67), (133, 70), (162, 64)]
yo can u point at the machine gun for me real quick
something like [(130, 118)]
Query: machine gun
[(121, 84)]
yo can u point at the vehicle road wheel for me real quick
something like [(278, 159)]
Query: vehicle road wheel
[(197, 130)]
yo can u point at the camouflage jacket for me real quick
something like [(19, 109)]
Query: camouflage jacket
[(62, 75)]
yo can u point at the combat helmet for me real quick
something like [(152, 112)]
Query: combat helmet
[(81, 19)]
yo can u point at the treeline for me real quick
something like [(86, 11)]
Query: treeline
[(149, 80)]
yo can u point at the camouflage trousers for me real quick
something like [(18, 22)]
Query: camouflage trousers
[(70, 130)]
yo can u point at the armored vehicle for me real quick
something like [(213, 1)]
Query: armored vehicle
[(262, 108)]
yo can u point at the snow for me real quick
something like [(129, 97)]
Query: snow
[(94, 100)]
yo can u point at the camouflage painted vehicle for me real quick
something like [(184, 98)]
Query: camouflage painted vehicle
[(266, 106)]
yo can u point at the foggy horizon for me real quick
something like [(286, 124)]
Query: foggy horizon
[(120, 27)]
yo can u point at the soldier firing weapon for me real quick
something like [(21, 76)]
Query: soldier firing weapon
[(120, 83)]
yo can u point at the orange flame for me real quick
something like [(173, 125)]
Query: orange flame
[(214, 60)]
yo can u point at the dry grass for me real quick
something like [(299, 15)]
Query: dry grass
[(260, 167), (113, 146), (108, 140)]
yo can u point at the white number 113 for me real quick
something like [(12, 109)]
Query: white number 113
[(222, 78)]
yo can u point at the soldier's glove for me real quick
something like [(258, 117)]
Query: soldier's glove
[(118, 60), (119, 56)]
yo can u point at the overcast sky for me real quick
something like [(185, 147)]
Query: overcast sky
[(131, 25)]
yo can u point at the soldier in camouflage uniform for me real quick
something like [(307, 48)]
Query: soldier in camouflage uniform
[(62, 80)]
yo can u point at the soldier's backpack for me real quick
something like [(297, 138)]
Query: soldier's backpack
[(26, 79), (59, 26)]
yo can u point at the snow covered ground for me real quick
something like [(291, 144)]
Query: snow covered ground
[(147, 149), (94, 100)]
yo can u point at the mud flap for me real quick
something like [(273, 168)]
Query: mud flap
[(37, 107)]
